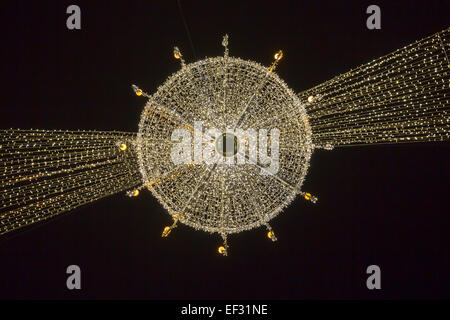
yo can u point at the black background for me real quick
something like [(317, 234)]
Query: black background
[(383, 205)]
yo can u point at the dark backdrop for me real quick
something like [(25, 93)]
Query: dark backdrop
[(383, 205)]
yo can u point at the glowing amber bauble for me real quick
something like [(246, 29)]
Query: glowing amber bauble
[(270, 234), (123, 147), (221, 249)]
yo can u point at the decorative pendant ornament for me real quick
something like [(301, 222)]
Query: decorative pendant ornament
[(401, 97)]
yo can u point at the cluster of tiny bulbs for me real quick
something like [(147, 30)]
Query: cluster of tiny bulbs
[(401, 97), (225, 93), (45, 173)]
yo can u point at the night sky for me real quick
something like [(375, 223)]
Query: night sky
[(383, 205)]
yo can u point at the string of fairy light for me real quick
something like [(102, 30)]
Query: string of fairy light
[(400, 97), (223, 92)]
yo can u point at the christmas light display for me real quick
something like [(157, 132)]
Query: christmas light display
[(401, 97)]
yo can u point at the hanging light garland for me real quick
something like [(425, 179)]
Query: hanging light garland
[(401, 97)]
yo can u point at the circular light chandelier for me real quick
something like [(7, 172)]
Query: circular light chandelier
[(227, 112)]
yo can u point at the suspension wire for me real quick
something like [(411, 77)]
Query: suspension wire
[(186, 28)]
